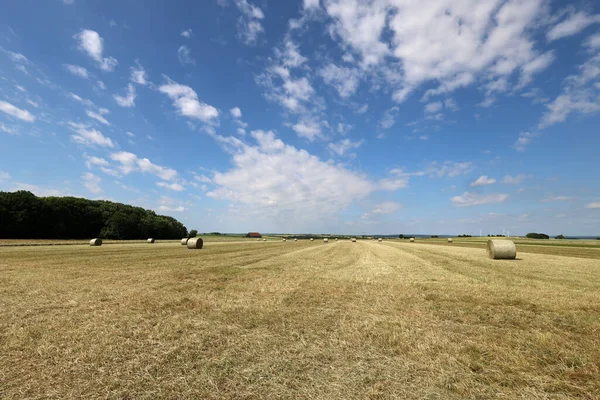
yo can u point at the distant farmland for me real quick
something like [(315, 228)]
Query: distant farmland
[(248, 319)]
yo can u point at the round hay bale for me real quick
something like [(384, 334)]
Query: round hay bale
[(353, 240), (150, 240), (412, 240), (326, 240), (283, 240), (380, 240), (501, 249), (295, 240), (264, 240), (336, 239), (311, 239), (96, 242), (449, 240), (184, 241), (195, 243)]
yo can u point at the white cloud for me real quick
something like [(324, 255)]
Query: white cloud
[(449, 169), (308, 4), (387, 207), (236, 112), (474, 199), (130, 162), (130, 134), (37, 190), (68, 2), (482, 181), (275, 180), (16, 112), (4, 176), (593, 205), (97, 117), (89, 137), (187, 33), (344, 80), (389, 118), (578, 96), (552, 198), (101, 85), (344, 145), (535, 66), (77, 70), (86, 102), (185, 100), (138, 75), (129, 99), (514, 180), (7, 129), (399, 180), (523, 140), (248, 25), (593, 42), (171, 186), (172, 209), (343, 128), (307, 129), (95, 161), (434, 107), (184, 54), (575, 23), (91, 43), (92, 182), (452, 43)]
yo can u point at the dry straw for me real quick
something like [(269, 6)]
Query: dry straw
[(184, 241), (283, 240), (96, 242), (311, 239), (353, 239), (449, 240), (326, 240), (501, 250), (412, 240), (195, 243), (150, 240), (380, 239)]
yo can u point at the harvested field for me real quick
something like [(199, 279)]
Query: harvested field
[(341, 320)]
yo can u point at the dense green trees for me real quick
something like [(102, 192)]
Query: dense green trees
[(25, 216), (534, 235), (560, 237), (193, 233)]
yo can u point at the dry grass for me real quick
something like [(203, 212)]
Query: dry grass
[(306, 320)]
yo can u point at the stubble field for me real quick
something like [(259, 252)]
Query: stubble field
[(343, 320)]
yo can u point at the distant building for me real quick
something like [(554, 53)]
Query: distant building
[(254, 235)]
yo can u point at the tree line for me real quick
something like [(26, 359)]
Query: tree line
[(26, 216)]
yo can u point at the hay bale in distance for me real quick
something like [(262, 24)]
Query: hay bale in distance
[(353, 240), (283, 240), (380, 240), (264, 240), (412, 240), (150, 240), (311, 239), (295, 240), (501, 249), (449, 240), (184, 241), (96, 242), (195, 243), (326, 240)]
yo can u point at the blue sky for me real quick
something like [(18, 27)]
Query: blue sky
[(348, 116)]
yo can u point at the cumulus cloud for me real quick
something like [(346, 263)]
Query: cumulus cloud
[(92, 182), (4, 176), (451, 43), (248, 25), (307, 129), (434, 107), (482, 181), (87, 136), (185, 100), (474, 199), (344, 80), (389, 118), (184, 54), (97, 117), (16, 112), (129, 99), (572, 25), (130, 162), (449, 169), (514, 180), (236, 112), (552, 198), (579, 95), (187, 33), (275, 180), (593, 205), (138, 75), (171, 186), (77, 70), (172, 209), (523, 140), (343, 146), (92, 44), (387, 207)]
